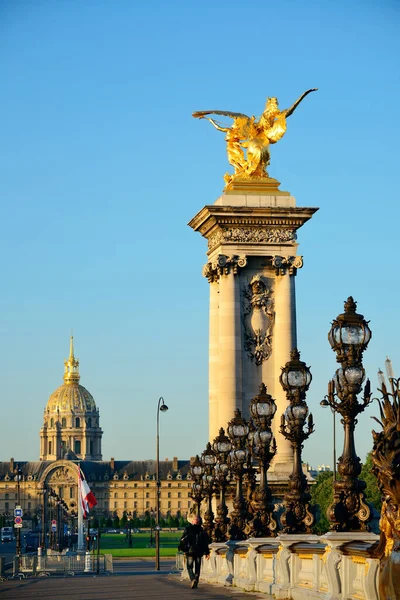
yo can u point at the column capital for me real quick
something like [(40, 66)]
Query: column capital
[(284, 264), (223, 265)]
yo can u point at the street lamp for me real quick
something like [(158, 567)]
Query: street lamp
[(208, 459), (222, 447), (197, 471), (18, 478), (238, 430), (163, 408), (349, 337), (263, 447), (295, 379), (325, 403)]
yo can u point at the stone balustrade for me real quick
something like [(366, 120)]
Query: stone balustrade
[(335, 566)]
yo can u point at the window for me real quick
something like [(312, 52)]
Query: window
[(169, 504), (179, 484), (89, 422), (135, 485), (115, 495), (147, 504), (125, 485), (29, 505), (51, 423), (125, 496), (125, 505), (179, 504), (49, 447), (169, 494), (169, 485), (6, 496), (77, 422), (63, 422), (135, 494), (135, 505), (77, 447), (71, 492), (115, 504), (147, 485), (147, 495), (91, 446), (179, 494)]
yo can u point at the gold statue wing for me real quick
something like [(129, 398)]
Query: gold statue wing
[(203, 113)]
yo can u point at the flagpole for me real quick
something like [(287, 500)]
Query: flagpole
[(81, 543)]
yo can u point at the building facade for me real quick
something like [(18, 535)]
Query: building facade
[(71, 439)]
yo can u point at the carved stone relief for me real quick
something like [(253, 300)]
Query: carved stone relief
[(223, 265), (258, 319), (252, 235), (62, 476)]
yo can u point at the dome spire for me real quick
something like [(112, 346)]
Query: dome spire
[(71, 366)]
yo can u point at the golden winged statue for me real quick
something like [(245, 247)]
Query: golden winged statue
[(253, 135)]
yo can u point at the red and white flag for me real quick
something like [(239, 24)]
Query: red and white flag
[(86, 496)]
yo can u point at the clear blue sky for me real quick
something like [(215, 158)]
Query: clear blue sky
[(102, 166)]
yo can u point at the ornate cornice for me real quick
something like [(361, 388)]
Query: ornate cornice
[(284, 264), (251, 235), (252, 225), (223, 265)]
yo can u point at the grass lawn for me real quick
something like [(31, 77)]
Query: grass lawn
[(117, 544)]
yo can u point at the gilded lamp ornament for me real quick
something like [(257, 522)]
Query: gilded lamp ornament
[(252, 135)]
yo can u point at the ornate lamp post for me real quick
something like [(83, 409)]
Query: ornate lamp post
[(208, 460), (349, 337), (222, 447), (263, 447), (43, 532), (238, 430), (197, 471), (18, 477), (295, 380), (163, 408), (324, 403)]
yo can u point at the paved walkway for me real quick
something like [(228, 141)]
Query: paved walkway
[(116, 587)]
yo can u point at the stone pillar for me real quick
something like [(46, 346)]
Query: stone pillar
[(230, 371), (225, 360), (213, 417), (285, 339), (252, 314)]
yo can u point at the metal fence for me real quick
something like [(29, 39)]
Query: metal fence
[(62, 564)]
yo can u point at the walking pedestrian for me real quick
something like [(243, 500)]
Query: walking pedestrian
[(194, 544)]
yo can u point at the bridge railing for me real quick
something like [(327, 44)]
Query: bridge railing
[(334, 566)]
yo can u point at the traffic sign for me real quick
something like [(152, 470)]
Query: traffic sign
[(17, 525), (54, 528), (18, 511), (54, 522), (18, 520)]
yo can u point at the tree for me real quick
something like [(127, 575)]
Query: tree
[(321, 499), (372, 492)]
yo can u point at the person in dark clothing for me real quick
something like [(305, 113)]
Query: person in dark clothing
[(194, 543)]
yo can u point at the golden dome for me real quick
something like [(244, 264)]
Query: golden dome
[(71, 397)]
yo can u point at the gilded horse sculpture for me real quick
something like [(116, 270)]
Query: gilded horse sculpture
[(254, 135)]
